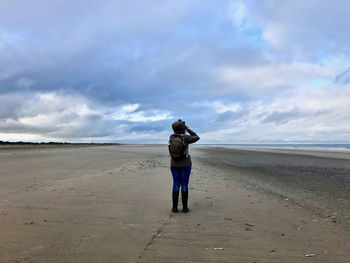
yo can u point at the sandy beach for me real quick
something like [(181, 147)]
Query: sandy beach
[(113, 204)]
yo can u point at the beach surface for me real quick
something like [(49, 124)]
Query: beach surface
[(113, 204)]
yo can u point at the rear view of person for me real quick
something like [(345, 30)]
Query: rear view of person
[(181, 163)]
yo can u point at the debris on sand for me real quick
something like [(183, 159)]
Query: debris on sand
[(310, 255), (249, 227)]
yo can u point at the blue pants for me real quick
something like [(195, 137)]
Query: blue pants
[(181, 176)]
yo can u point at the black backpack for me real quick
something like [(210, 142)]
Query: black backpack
[(177, 147)]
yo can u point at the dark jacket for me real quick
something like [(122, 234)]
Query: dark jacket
[(192, 138)]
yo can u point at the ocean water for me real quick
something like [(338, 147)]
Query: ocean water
[(300, 146)]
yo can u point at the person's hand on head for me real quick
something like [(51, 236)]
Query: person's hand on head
[(186, 126)]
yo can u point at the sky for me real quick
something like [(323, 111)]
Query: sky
[(239, 71)]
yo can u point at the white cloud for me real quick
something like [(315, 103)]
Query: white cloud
[(275, 35), (238, 13), (131, 107), (71, 117), (132, 113), (302, 114), (15, 137), (217, 106), (253, 69), (257, 79)]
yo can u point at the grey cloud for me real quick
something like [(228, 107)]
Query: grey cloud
[(283, 117), (16, 127), (117, 63), (160, 55), (310, 29), (16, 105), (149, 126), (343, 78), (92, 126), (88, 129), (231, 115), (63, 116), (143, 108)]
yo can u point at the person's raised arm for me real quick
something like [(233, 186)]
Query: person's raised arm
[(193, 137)]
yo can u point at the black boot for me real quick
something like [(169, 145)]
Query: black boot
[(175, 201), (184, 196)]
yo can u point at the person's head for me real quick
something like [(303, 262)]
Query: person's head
[(179, 126)]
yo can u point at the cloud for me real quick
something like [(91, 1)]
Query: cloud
[(231, 115), (242, 70), (343, 78), (61, 116), (263, 78), (301, 115), (281, 117), (303, 28), (275, 35), (238, 13)]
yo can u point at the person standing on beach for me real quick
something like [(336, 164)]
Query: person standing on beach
[(181, 163)]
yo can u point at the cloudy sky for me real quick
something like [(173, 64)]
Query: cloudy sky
[(122, 71)]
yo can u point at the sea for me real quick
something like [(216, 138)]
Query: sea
[(296, 146)]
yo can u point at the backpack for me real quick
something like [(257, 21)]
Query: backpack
[(177, 147)]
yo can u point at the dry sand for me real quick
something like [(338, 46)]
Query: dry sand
[(112, 204)]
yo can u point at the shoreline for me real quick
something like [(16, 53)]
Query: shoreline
[(344, 154), (321, 152)]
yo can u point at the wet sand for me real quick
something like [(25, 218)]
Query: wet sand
[(318, 179), (112, 204)]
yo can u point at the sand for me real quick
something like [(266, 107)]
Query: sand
[(112, 204)]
